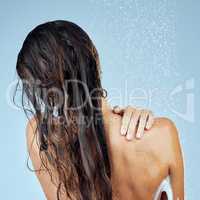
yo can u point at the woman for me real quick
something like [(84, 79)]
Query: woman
[(72, 139)]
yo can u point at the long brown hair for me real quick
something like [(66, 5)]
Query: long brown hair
[(60, 72)]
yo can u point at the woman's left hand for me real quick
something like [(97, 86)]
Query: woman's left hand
[(134, 121)]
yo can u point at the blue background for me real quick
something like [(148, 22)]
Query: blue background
[(149, 49)]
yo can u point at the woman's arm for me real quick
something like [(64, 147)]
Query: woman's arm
[(176, 165)]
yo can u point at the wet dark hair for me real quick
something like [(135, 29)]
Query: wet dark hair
[(60, 72)]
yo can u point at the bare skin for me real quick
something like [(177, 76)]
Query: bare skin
[(139, 120), (137, 167)]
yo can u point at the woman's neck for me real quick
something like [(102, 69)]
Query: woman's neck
[(107, 115), (106, 108)]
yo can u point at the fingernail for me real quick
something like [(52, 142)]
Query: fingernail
[(128, 137), (138, 135), (123, 131), (147, 127)]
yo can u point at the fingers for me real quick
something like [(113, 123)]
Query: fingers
[(126, 120), (118, 110), (150, 120), (134, 121), (142, 123), (133, 124)]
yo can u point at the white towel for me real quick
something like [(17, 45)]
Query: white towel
[(166, 187)]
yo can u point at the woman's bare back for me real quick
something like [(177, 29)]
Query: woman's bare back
[(139, 166)]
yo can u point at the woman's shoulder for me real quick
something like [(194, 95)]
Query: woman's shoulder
[(163, 128), (31, 128), (164, 135), (32, 138), (164, 123), (160, 141), (41, 169)]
